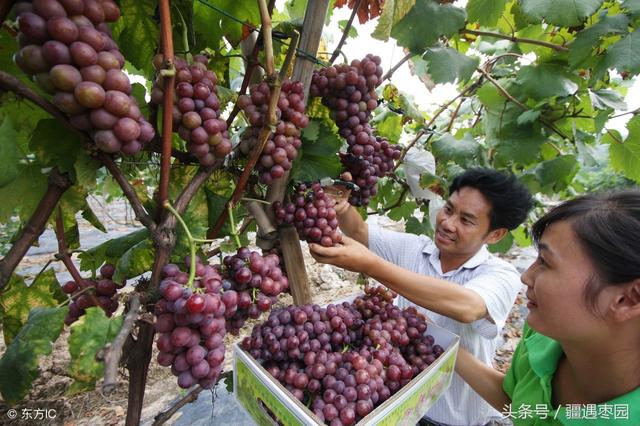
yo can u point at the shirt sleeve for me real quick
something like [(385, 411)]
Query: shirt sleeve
[(396, 247), (498, 287)]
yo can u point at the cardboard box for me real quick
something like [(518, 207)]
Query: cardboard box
[(265, 398)]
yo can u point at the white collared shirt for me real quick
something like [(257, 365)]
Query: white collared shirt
[(494, 279)]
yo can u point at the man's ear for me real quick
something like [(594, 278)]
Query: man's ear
[(495, 235), (625, 304)]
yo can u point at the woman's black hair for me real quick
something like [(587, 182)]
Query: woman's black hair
[(510, 200), (608, 228)]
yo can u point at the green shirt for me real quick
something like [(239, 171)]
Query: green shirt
[(528, 384)]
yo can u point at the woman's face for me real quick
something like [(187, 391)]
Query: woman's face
[(556, 284)]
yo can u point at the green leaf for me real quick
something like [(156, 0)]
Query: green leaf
[(633, 6), (581, 49), (419, 227), (86, 169), (546, 81), (403, 211), (19, 364), (352, 30), (18, 298), (485, 12), (135, 261), (138, 33), (54, 145), (393, 12), (556, 174), (425, 23), (625, 54), (23, 193), (528, 116), (463, 151), (206, 22), (446, 65), (625, 156), (502, 246), (605, 98), (312, 131), (90, 334), (563, 13), (90, 216), (388, 125), (110, 251), (317, 158), (8, 153)]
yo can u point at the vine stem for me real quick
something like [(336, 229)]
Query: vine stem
[(167, 107), (113, 351), (192, 245), (232, 223), (557, 47), (345, 33), (393, 69), (265, 18)]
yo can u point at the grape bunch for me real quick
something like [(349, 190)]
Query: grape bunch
[(312, 213), (366, 171), (102, 291), (191, 324), (283, 144), (344, 360), (66, 47), (253, 282), (196, 109)]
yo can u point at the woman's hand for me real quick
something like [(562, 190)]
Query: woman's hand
[(349, 255)]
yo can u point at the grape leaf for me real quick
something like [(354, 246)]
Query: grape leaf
[(419, 227), (23, 193), (465, 151), (110, 251), (388, 125), (446, 65), (528, 116), (633, 6), (137, 33), (54, 145), (17, 298), (425, 23), (485, 12), (580, 50), (625, 156), (605, 98), (564, 13), (8, 152), (19, 364), (556, 174), (90, 334), (502, 246), (135, 261), (317, 158), (624, 55), (393, 12), (546, 81)]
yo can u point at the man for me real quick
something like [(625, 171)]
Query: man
[(453, 278)]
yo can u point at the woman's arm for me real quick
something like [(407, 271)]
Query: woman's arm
[(486, 381)]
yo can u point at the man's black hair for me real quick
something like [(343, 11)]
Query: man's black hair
[(510, 200)]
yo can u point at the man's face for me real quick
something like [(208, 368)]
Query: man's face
[(462, 225)]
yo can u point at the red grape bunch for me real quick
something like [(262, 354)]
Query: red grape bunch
[(312, 213), (66, 47), (254, 283), (196, 110), (343, 360), (283, 144), (102, 291), (191, 324), (367, 170)]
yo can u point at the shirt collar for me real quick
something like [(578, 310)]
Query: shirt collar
[(476, 260)]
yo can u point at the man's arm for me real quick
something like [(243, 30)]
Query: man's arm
[(486, 381), (444, 297)]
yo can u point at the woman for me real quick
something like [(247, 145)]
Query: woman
[(578, 362)]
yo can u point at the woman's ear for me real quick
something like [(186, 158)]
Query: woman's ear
[(625, 304), (495, 235)]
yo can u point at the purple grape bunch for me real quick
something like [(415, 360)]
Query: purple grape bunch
[(284, 142), (346, 359), (196, 109), (67, 49), (312, 212), (102, 291)]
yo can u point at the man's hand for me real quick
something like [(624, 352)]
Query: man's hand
[(349, 255), (340, 194)]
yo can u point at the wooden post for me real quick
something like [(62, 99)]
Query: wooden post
[(302, 71)]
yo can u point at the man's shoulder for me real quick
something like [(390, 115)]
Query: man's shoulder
[(494, 263)]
